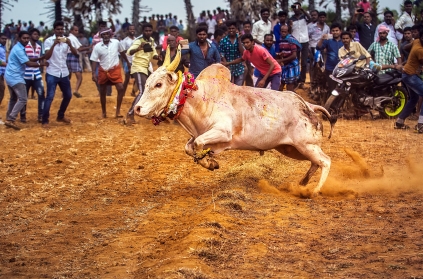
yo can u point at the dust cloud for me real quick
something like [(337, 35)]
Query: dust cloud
[(353, 178)]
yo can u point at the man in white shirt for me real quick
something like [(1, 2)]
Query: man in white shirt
[(109, 73), (407, 19), (315, 32), (262, 27), (72, 61), (57, 73), (298, 22), (126, 44), (394, 35), (211, 25)]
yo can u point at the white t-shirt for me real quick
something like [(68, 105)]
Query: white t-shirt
[(107, 55), (74, 41), (57, 63), (126, 44), (211, 23)]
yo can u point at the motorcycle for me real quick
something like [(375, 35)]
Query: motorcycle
[(362, 90)]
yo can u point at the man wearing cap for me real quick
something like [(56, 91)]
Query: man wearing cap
[(106, 53), (393, 36), (386, 53)]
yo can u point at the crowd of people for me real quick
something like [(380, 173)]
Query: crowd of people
[(273, 52)]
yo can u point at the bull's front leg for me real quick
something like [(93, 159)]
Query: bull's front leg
[(213, 139), (189, 147)]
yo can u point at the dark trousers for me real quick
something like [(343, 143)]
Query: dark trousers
[(303, 60), (2, 88), (331, 83), (140, 79), (414, 85)]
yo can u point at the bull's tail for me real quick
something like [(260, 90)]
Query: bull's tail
[(332, 119)]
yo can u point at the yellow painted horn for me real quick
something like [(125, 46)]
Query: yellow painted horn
[(175, 63), (167, 57)]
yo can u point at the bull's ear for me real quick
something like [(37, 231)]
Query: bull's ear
[(172, 77)]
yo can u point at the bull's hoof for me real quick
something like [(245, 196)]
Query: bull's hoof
[(213, 165), (316, 193)]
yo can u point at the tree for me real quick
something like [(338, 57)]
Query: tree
[(284, 5), (338, 8), (311, 5), (190, 20), (137, 9), (244, 9), (5, 5)]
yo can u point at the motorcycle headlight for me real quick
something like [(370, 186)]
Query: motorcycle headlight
[(335, 93)]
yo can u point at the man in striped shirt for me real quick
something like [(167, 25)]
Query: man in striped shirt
[(33, 76)]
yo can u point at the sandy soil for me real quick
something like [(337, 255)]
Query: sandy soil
[(97, 199)]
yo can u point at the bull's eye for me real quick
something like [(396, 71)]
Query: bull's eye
[(158, 85)]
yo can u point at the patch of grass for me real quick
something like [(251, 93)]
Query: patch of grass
[(189, 273), (234, 206)]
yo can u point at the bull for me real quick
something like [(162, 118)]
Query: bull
[(219, 116)]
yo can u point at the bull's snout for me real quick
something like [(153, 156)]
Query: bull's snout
[(137, 110)]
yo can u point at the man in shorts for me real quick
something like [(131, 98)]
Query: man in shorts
[(106, 53), (72, 61)]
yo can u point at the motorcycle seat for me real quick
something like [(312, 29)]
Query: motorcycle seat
[(385, 78)]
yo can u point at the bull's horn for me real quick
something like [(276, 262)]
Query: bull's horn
[(175, 63), (167, 57)]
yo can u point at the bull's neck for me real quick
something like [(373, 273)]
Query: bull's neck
[(189, 117)]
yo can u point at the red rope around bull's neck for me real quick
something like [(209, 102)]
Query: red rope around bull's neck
[(188, 85)]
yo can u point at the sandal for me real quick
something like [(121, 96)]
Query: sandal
[(419, 128), (401, 126)]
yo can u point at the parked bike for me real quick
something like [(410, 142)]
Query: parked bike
[(362, 91)]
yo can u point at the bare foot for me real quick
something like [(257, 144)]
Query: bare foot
[(119, 116), (103, 115)]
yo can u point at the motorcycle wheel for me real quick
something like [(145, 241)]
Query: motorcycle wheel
[(393, 109)]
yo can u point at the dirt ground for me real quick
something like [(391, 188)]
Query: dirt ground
[(97, 199)]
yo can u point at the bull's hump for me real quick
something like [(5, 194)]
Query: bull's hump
[(215, 71)]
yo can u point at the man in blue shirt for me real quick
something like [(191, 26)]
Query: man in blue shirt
[(230, 49), (332, 46), (202, 53), (277, 28), (3, 41), (15, 71)]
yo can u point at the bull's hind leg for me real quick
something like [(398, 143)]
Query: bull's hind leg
[(317, 158), (292, 152), (313, 168)]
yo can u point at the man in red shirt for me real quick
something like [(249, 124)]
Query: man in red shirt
[(269, 68), (174, 31)]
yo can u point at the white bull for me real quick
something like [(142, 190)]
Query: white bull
[(221, 115)]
